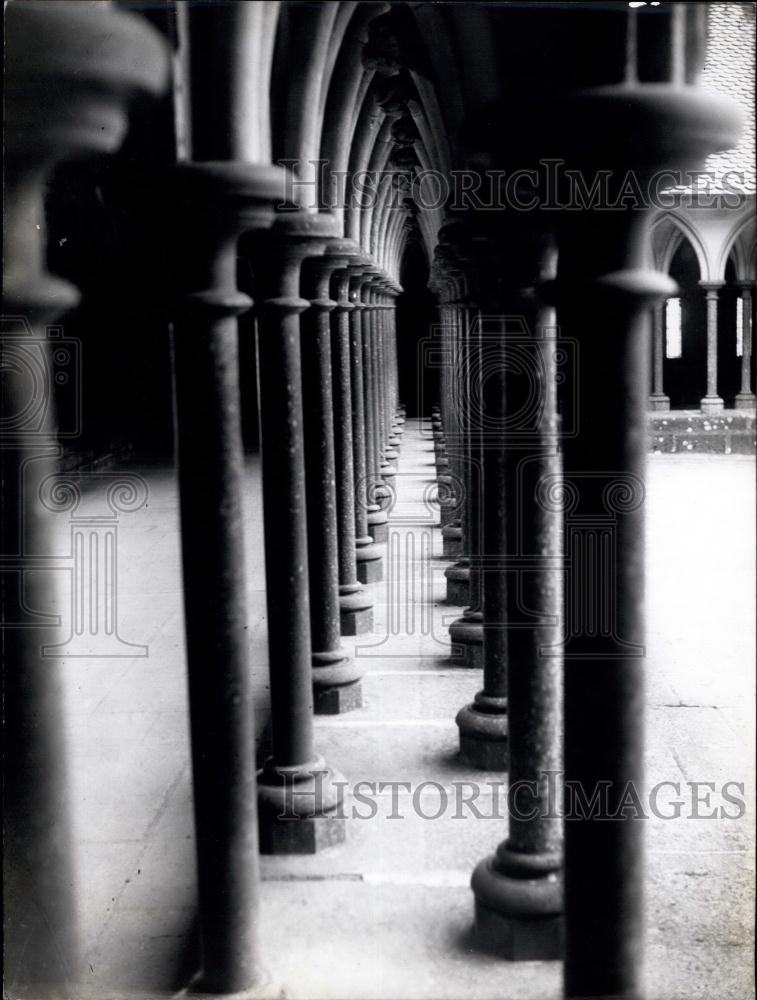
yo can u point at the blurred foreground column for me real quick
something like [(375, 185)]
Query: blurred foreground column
[(227, 188), (70, 69)]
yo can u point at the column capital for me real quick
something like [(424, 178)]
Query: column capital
[(711, 286)]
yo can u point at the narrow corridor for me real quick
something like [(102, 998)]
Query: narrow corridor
[(388, 913)]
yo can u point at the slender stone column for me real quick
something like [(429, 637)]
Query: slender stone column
[(467, 632), (355, 608), (368, 558), (746, 399), (658, 400), (602, 285), (452, 530), (69, 71), (712, 403), (458, 574), (518, 890), (385, 469), (336, 686), (483, 724), (395, 425), (298, 799), (375, 489), (214, 204)]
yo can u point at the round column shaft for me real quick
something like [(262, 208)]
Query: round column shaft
[(712, 402), (658, 400), (355, 608), (336, 686), (369, 564), (69, 71), (467, 632), (518, 890), (210, 466), (376, 491), (297, 797)]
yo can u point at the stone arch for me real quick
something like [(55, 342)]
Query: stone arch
[(668, 232), (741, 246)]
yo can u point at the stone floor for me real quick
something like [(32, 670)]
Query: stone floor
[(388, 913)]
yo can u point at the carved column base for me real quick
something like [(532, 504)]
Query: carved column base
[(519, 915), (368, 563), (336, 683), (378, 526), (355, 610), (458, 583), (300, 808), (467, 635), (483, 733), (711, 404), (745, 401), (658, 401)]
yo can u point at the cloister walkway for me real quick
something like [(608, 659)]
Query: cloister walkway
[(387, 914)]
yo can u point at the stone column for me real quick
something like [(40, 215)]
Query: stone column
[(712, 403), (375, 489), (214, 204), (336, 686), (355, 608), (467, 632), (658, 400), (368, 558), (229, 188), (518, 890), (746, 399), (298, 799), (603, 284), (458, 574), (483, 724), (69, 71)]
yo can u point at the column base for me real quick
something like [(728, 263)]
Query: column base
[(711, 404), (452, 539), (336, 683), (519, 918), (368, 562), (378, 527), (338, 700), (468, 635), (659, 402), (745, 401), (484, 733), (355, 610), (300, 808), (458, 584)]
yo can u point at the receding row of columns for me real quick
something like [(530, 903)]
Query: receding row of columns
[(712, 402), (541, 472)]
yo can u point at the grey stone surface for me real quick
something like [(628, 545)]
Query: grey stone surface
[(388, 912)]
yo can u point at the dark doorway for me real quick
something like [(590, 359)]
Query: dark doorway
[(685, 377), (416, 317)]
